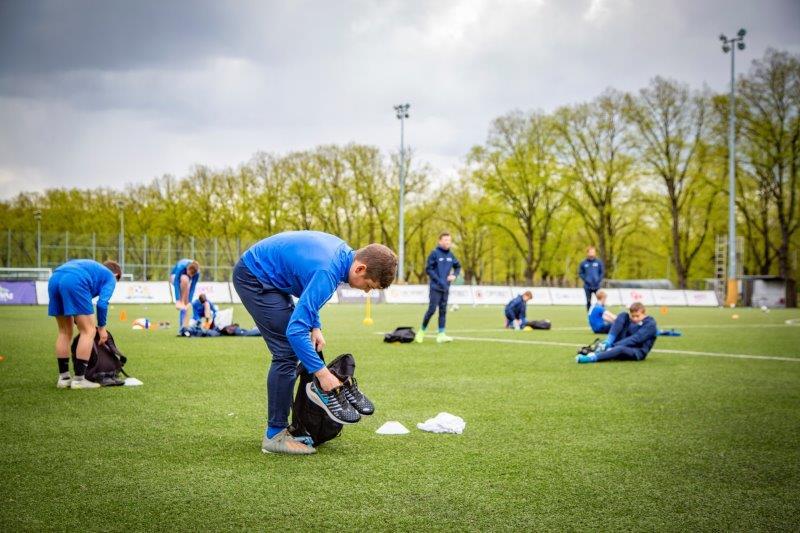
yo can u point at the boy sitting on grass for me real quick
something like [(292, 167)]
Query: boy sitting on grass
[(600, 319), (631, 338)]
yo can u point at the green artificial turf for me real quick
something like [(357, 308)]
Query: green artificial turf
[(677, 442)]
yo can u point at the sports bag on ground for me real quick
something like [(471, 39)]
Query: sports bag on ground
[(401, 334), (105, 363), (538, 324), (310, 420)]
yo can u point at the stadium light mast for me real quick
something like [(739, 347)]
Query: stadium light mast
[(37, 215), (402, 114), (120, 206), (730, 45)]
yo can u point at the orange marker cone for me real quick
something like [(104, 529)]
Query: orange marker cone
[(123, 316), (664, 310)]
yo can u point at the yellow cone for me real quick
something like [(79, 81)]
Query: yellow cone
[(123, 316)]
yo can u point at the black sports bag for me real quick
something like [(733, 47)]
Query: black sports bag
[(310, 420), (401, 334), (105, 363)]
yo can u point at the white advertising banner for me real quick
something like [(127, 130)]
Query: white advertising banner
[(349, 295), (42, 296), (142, 292), (216, 292), (637, 295), (406, 294), (701, 298), (561, 296), (541, 295), (613, 297), (490, 294), (234, 295), (459, 294), (668, 297)]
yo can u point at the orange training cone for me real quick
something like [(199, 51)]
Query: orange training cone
[(123, 316)]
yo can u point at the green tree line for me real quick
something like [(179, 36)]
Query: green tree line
[(640, 175)]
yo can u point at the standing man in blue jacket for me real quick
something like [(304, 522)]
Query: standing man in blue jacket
[(591, 272), (71, 289), (631, 337), (442, 269), (184, 277), (309, 265)]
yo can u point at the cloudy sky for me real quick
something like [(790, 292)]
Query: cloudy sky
[(112, 92)]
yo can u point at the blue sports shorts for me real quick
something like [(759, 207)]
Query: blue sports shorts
[(69, 295)]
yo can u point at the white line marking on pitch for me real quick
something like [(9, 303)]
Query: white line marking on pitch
[(669, 326), (655, 350)]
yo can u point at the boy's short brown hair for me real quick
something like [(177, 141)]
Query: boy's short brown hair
[(381, 263), (636, 307), (600, 294), (529, 294), (114, 267), (444, 234), (194, 265)]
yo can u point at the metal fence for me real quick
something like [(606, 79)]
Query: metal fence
[(143, 257)]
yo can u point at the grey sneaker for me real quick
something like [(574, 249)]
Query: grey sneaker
[(285, 443)]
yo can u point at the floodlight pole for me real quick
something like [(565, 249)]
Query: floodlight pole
[(120, 206), (38, 216), (402, 114), (730, 45)]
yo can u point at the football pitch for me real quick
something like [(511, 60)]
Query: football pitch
[(703, 435)]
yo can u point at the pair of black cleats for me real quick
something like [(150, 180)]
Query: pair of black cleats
[(344, 404)]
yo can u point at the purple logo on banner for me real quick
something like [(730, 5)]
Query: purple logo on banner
[(17, 292)]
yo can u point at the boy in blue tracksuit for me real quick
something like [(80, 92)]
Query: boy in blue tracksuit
[(631, 338), (592, 272), (184, 277), (203, 308), (600, 319), (442, 268), (71, 289), (309, 265), (516, 309)]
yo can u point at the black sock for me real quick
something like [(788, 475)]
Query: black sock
[(80, 367), (63, 365)]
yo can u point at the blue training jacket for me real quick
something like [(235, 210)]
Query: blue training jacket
[(178, 271), (95, 278), (516, 308), (198, 309), (592, 272), (596, 321), (641, 336), (308, 265), (439, 265)]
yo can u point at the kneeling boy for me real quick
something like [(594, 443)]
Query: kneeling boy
[(631, 338), (515, 310)]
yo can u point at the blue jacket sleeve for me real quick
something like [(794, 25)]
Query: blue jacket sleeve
[(432, 270), (602, 271), (582, 271), (102, 301), (647, 331), (456, 266), (306, 316)]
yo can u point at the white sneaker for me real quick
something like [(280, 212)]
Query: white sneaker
[(84, 384), (441, 337), (63, 383)]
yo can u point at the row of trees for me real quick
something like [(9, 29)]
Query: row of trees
[(640, 175)]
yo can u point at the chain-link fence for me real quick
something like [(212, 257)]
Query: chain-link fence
[(143, 257)]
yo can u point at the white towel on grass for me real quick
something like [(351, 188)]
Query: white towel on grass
[(443, 423)]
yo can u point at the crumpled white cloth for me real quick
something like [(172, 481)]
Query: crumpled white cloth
[(443, 423)]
